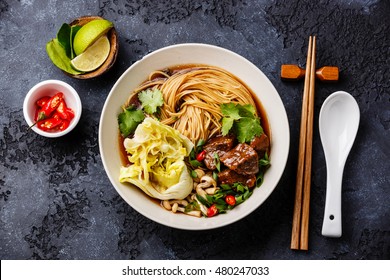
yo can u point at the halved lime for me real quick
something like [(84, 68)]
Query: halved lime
[(92, 57), (89, 33)]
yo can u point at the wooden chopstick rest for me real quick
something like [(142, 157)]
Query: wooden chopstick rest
[(293, 72)]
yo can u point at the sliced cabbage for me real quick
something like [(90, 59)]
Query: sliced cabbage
[(157, 153)]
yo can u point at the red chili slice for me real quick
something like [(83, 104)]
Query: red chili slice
[(212, 211), (64, 125), (42, 101), (70, 113), (49, 124), (201, 156), (61, 110), (50, 106), (230, 199)]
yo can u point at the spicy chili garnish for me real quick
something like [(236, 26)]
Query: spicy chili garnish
[(50, 106), (53, 114)]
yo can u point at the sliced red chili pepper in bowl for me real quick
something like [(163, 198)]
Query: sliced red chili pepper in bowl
[(49, 124), (42, 101), (70, 113), (64, 125), (53, 114), (50, 106), (61, 110)]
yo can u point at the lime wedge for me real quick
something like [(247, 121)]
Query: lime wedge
[(89, 33), (92, 57)]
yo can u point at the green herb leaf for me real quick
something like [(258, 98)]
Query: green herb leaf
[(59, 58), (246, 111), (240, 188), (199, 146), (247, 128), (217, 162), (64, 37), (227, 124), (194, 174), (231, 113), (230, 110), (225, 187), (192, 206), (221, 208), (209, 199), (264, 161), (215, 175), (242, 120), (129, 120), (202, 200), (195, 163), (151, 100)]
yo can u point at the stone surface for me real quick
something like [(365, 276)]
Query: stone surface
[(56, 201)]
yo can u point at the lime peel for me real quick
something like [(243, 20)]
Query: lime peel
[(89, 34)]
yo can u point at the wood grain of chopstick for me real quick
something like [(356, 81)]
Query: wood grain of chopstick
[(300, 225)]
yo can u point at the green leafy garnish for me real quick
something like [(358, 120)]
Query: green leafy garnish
[(199, 146), (65, 37), (217, 162), (58, 56), (264, 163), (242, 120), (203, 200), (197, 149), (151, 100), (129, 120), (238, 190)]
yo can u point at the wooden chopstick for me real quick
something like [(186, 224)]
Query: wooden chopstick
[(299, 237), (304, 242)]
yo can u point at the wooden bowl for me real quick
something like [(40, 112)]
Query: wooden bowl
[(112, 37)]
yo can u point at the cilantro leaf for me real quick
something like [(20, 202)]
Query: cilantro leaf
[(230, 114), (129, 120), (246, 110), (227, 124), (247, 128), (230, 110), (241, 120), (151, 100)]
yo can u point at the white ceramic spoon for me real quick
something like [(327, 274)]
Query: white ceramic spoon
[(338, 124)]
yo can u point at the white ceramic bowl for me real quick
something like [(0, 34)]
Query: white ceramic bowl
[(193, 54), (50, 88)]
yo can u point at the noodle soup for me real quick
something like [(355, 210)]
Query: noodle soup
[(227, 126)]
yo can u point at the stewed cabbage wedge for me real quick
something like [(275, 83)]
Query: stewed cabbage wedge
[(156, 153)]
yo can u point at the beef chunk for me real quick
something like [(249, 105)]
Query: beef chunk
[(260, 144), (219, 145), (243, 159), (230, 177)]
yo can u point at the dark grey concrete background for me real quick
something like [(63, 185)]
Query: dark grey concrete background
[(56, 201)]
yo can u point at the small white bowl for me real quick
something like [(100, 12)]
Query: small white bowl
[(50, 88)]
